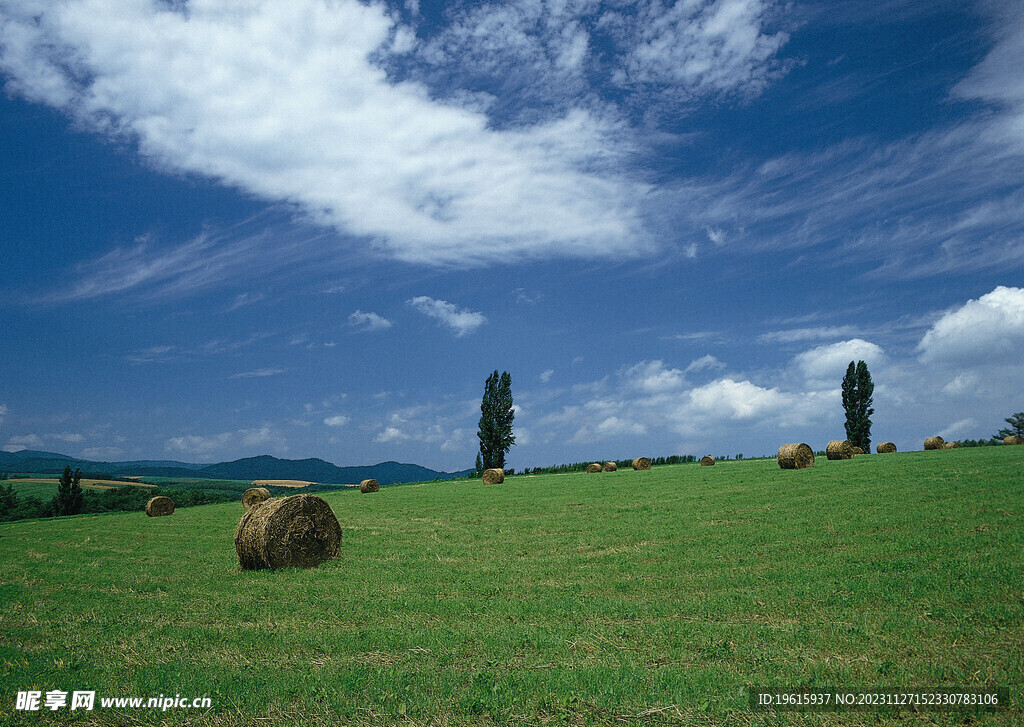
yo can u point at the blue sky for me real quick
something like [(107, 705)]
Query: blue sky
[(312, 229)]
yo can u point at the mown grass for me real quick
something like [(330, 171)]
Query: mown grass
[(612, 598)]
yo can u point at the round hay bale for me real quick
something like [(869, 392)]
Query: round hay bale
[(951, 445), (1013, 439), (707, 460), (370, 485), (857, 450), (641, 463), (159, 506), (494, 476), (885, 448), (839, 449), (609, 467), (596, 467), (298, 531), (795, 456), (254, 496), (935, 443)]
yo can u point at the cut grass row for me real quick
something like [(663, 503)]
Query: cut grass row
[(551, 599)]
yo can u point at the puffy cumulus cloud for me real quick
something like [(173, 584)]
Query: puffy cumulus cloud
[(829, 362), (989, 330), (23, 441), (652, 377), (368, 321), (287, 101), (337, 421), (459, 320), (391, 434), (726, 399), (226, 444)]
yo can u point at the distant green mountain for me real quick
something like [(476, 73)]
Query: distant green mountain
[(263, 467)]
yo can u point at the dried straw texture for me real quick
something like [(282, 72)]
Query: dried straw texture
[(935, 443), (951, 445), (885, 448), (707, 460), (1013, 439), (370, 485), (254, 496), (159, 506), (641, 463), (610, 467), (596, 467), (298, 531), (839, 449), (857, 450), (494, 476), (796, 456)]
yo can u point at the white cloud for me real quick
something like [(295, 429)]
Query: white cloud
[(652, 377), (705, 362), (13, 448), (391, 434), (460, 320), (283, 100), (830, 361), (69, 437), (24, 441), (337, 420), (368, 321), (814, 333), (989, 330), (736, 400), (258, 373), (225, 443), (104, 454), (545, 376), (961, 428)]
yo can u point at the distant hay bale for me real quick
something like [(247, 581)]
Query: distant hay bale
[(596, 467), (254, 496), (370, 485), (609, 467), (1013, 439), (298, 531), (935, 443), (795, 456), (641, 463), (707, 460), (885, 448), (159, 506), (857, 450), (951, 445), (494, 476), (839, 449)]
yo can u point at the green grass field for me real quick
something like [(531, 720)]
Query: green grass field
[(656, 597)]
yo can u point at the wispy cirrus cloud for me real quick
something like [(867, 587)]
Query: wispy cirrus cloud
[(460, 320)]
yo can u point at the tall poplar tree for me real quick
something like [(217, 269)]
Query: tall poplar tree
[(69, 499), (857, 398), (496, 416)]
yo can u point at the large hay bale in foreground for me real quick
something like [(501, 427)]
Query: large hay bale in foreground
[(254, 496), (641, 463), (370, 485), (951, 445), (596, 467), (935, 443), (159, 506), (839, 449), (609, 467), (707, 460), (796, 456), (885, 448), (298, 531), (1013, 439), (494, 476)]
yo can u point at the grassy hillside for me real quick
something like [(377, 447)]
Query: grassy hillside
[(614, 598)]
